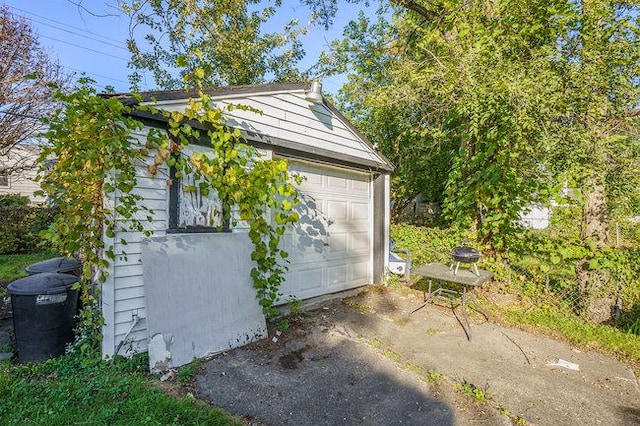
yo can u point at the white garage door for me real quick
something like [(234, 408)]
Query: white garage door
[(330, 249)]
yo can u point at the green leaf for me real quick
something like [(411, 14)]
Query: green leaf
[(181, 61)]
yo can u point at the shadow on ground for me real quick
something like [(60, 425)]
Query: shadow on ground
[(324, 376), (365, 360)]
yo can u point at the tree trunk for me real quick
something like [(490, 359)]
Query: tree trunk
[(595, 302), (595, 220)]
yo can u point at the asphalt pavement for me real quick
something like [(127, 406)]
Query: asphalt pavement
[(365, 360)]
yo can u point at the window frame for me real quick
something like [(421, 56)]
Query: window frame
[(174, 208)]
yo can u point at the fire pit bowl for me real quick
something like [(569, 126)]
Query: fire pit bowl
[(465, 254)]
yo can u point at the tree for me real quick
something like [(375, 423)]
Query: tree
[(534, 97), (394, 113), (471, 82), (224, 38), (598, 148), (26, 78)]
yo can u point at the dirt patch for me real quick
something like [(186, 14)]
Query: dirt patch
[(292, 359)]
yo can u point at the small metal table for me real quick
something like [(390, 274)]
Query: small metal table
[(466, 278)]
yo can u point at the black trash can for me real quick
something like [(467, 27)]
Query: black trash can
[(61, 265), (44, 309)]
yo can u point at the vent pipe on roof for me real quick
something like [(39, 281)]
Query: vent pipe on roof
[(314, 94)]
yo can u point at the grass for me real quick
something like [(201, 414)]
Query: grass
[(76, 390), (66, 391), (428, 244), (12, 265), (584, 335), (472, 390)]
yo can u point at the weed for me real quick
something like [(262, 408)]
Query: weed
[(6, 347), (188, 372), (295, 306), (635, 328), (470, 389), (430, 375), (359, 306), (375, 343), (431, 331), (377, 289), (385, 351), (283, 324), (391, 354), (521, 421), (434, 376)]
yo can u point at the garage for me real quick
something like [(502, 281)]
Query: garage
[(180, 288), (330, 249)]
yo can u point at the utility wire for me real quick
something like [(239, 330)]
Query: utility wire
[(94, 74), (67, 25), (78, 34), (85, 48)]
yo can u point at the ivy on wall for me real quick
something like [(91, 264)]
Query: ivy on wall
[(93, 154)]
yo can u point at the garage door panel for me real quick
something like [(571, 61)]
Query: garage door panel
[(337, 183), (337, 211), (360, 187), (339, 243), (359, 211), (337, 276), (313, 279), (330, 247), (359, 273), (359, 242), (310, 179)]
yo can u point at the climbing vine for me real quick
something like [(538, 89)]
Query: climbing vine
[(250, 189), (87, 139), (89, 172)]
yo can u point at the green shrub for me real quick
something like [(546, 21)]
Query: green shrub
[(426, 244), (21, 224), (13, 200)]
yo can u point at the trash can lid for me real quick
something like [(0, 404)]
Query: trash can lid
[(57, 264), (45, 283)]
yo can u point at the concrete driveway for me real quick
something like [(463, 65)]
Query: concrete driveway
[(365, 361)]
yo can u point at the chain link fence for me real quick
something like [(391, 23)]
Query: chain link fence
[(617, 295), (546, 279)]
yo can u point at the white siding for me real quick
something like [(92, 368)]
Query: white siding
[(22, 182), (290, 117), (286, 116), (123, 292)]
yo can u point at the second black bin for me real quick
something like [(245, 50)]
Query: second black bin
[(61, 265), (44, 308)]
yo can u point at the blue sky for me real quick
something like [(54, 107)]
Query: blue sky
[(95, 45)]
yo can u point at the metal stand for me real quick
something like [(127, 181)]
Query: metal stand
[(474, 265), (465, 279)]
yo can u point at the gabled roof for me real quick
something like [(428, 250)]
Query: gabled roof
[(288, 145)]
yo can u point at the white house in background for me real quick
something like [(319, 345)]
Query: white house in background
[(186, 291), (20, 181), (535, 217)]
